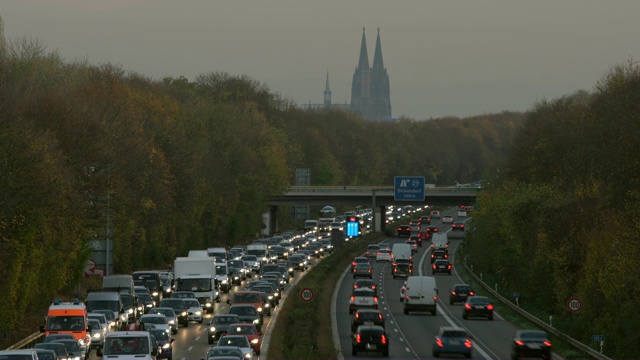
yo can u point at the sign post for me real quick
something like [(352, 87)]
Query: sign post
[(408, 188)]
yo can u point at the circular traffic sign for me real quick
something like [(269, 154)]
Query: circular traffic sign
[(574, 304), (306, 294)]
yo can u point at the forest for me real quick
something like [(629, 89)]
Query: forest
[(168, 165)]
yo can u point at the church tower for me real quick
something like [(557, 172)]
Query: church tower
[(370, 93)]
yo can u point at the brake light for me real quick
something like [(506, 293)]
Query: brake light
[(394, 264), (383, 339), (439, 342), (358, 338), (467, 306), (373, 287), (471, 293), (380, 317), (490, 307), (357, 315), (467, 343), (375, 299), (379, 252), (369, 270), (353, 298), (519, 342), (354, 269), (435, 298), (449, 267), (446, 256), (547, 343), (434, 266), (355, 286), (453, 293), (353, 263)]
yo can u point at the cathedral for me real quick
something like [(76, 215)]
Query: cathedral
[(370, 93)]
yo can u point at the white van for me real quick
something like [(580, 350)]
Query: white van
[(421, 294), (439, 241), (129, 345), (401, 251)]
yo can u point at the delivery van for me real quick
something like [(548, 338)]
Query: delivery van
[(129, 345), (401, 251), (421, 294), (439, 241)]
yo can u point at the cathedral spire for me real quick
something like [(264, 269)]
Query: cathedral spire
[(363, 62), (378, 64)]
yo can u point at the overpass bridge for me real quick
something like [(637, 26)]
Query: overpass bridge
[(374, 197)]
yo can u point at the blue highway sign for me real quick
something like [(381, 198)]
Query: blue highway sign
[(409, 188)]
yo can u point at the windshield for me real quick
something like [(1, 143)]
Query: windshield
[(127, 300), (154, 320), (169, 313), (256, 252), (221, 269), (165, 280), (127, 345), (93, 305), (243, 310), (194, 284), (108, 314), (159, 334), (246, 298), (65, 323), (224, 319), (249, 258), (144, 297), (242, 330), (239, 341)]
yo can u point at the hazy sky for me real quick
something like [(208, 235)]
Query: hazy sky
[(445, 57)]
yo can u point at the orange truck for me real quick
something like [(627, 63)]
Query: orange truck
[(69, 318)]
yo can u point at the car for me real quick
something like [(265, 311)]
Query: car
[(179, 308), (403, 291), (439, 254), (75, 352), (235, 275), (441, 266), (462, 213), (146, 302), (404, 230), (358, 260), (59, 349), (164, 341), (102, 320), (372, 250), (247, 314), (219, 325), (97, 333), (337, 226), (447, 219), (367, 317), (19, 354), (414, 245), (460, 293), (238, 341), (383, 255), (457, 226), (362, 270), (424, 220), (402, 268), (129, 306), (270, 297), (365, 284), (250, 332), (44, 354), (435, 214), (370, 338), (384, 245), (414, 222), (414, 228), (452, 340), (362, 298), (154, 321), (477, 306), (183, 295), (168, 313), (194, 310), (111, 317), (224, 353), (531, 343), (252, 262), (242, 267)]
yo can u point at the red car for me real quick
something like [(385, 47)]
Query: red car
[(250, 332)]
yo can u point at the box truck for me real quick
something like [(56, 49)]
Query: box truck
[(197, 274)]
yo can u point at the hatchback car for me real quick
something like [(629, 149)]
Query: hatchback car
[(441, 266), (460, 293), (154, 321), (531, 343), (194, 310), (247, 314), (358, 260), (366, 317), (219, 325), (61, 351), (457, 226), (365, 284), (414, 245), (477, 306), (250, 332), (224, 353), (435, 214), (462, 213), (362, 270), (45, 354), (362, 298), (452, 340), (172, 319), (439, 254), (179, 307), (372, 251), (383, 255), (97, 333), (370, 338), (447, 219), (238, 341), (75, 352), (404, 230)]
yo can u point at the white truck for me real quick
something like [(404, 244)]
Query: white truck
[(260, 251), (118, 283), (197, 274)]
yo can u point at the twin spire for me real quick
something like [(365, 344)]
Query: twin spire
[(363, 62)]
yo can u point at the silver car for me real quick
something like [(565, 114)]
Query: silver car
[(168, 312), (97, 333)]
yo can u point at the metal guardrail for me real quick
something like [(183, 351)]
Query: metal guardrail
[(573, 342), (27, 342), (367, 188)]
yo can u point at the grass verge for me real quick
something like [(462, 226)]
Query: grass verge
[(303, 330)]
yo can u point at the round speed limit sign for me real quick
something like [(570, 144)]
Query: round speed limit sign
[(574, 304), (306, 294)]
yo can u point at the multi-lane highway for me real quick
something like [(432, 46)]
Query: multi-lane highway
[(410, 336)]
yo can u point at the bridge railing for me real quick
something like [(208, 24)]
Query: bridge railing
[(27, 342), (319, 188)]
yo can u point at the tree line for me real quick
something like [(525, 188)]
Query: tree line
[(563, 220), (166, 165)]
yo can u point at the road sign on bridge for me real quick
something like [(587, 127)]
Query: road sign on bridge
[(409, 188)]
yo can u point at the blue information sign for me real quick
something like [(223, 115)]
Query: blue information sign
[(597, 337), (353, 226), (409, 188)]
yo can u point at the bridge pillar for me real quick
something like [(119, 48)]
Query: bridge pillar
[(379, 218), (273, 218)]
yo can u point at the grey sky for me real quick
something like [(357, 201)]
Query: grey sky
[(445, 57)]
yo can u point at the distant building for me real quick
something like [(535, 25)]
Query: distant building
[(370, 91)]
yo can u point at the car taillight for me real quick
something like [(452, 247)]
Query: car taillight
[(353, 263), (379, 253), (357, 316), (358, 338), (519, 342), (449, 267), (353, 299), (354, 269), (373, 287), (453, 293), (375, 299), (547, 343), (383, 339), (471, 293), (355, 286), (380, 317), (439, 342), (435, 298), (434, 266), (467, 306), (369, 270), (446, 256), (467, 343), (490, 307)]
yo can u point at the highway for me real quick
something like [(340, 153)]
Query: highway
[(410, 336)]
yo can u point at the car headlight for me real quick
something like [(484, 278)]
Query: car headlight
[(140, 308), (259, 309), (149, 305), (212, 329), (166, 346), (155, 293), (270, 297), (207, 304), (96, 336), (168, 290), (198, 313), (255, 341), (236, 278), (291, 269), (75, 358), (112, 323), (129, 311), (171, 322), (184, 313), (247, 356), (301, 264), (256, 321), (225, 281)]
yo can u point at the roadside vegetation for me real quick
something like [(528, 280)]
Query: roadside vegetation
[(562, 220)]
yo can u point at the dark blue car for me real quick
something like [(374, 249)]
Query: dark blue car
[(164, 341)]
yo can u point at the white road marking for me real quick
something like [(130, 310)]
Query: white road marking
[(407, 349)]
